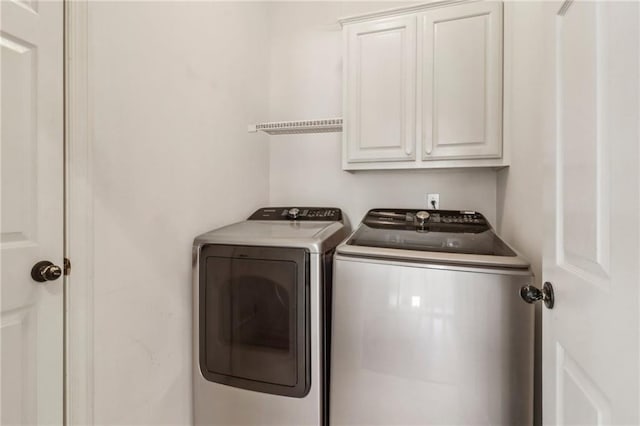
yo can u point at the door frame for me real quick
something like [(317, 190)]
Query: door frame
[(78, 218)]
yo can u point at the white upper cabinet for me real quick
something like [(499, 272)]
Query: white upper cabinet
[(380, 81), (423, 87), (461, 76)]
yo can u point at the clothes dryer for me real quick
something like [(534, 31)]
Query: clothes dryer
[(261, 300)]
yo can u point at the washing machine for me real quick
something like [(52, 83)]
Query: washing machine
[(262, 291), (428, 324)]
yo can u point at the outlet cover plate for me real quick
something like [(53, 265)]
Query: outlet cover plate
[(431, 198)]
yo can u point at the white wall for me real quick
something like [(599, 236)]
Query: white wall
[(519, 187), (173, 87), (305, 83)]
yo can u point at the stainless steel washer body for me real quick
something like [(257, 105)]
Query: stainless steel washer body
[(428, 326), (259, 309)]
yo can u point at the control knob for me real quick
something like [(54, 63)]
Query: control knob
[(422, 216), (294, 212)]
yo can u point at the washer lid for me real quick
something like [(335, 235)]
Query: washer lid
[(444, 236), (481, 243), (315, 236)]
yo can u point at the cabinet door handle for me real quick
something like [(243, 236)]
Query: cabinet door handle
[(428, 145), (408, 148)]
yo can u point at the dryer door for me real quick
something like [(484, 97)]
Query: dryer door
[(254, 318)]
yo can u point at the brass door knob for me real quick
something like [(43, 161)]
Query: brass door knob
[(44, 271)]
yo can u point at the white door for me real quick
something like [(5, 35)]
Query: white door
[(31, 40), (461, 81), (591, 255), (380, 72)]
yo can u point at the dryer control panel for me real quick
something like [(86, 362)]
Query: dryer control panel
[(325, 214)]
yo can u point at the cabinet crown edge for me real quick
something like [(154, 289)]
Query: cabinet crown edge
[(400, 11)]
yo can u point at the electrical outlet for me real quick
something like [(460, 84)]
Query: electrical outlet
[(433, 201)]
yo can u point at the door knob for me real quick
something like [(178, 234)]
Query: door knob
[(45, 271), (531, 294)]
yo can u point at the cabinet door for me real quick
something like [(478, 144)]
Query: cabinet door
[(380, 81), (461, 79)]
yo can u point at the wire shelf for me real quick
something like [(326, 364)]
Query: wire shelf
[(297, 127)]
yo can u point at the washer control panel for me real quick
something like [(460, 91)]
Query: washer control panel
[(463, 217), (325, 214), (427, 220)]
